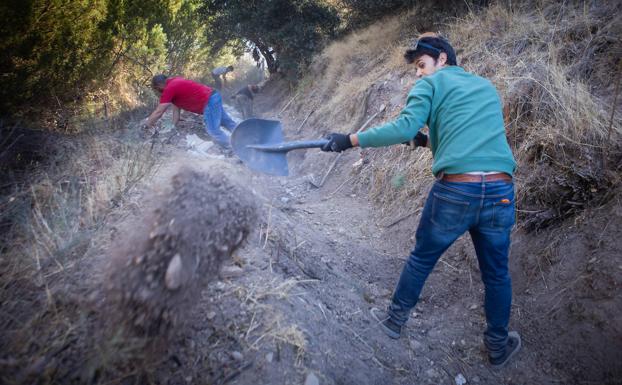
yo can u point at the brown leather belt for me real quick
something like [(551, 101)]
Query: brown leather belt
[(476, 178)]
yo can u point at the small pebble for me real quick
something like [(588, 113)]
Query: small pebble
[(269, 357), (237, 356), (460, 380), (312, 379), (431, 373)]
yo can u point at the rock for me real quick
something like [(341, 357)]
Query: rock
[(237, 356), (473, 307), (284, 200), (312, 379), (210, 315), (416, 345), (173, 276), (231, 272), (460, 380), (269, 357), (475, 380), (431, 373), (220, 286)]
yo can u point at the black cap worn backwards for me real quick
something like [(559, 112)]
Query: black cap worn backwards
[(432, 46)]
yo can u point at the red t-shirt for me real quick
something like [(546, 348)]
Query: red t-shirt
[(186, 94)]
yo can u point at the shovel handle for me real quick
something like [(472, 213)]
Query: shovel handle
[(288, 146)]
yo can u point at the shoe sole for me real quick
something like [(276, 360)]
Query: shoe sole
[(390, 332), (385, 329), (520, 344)]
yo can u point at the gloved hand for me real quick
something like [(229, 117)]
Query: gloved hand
[(337, 142), (420, 140)]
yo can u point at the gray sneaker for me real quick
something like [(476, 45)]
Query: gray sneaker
[(513, 346), (389, 327)]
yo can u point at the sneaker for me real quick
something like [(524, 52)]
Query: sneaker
[(389, 327), (512, 347)]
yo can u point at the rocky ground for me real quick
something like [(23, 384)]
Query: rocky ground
[(293, 304)]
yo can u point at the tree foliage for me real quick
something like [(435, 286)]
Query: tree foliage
[(363, 11), (285, 32), (52, 52)]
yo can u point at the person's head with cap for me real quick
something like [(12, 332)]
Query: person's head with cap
[(430, 53)]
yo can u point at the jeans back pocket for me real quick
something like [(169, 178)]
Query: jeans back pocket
[(448, 213), (503, 214)]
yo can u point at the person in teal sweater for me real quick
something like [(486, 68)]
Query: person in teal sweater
[(473, 191)]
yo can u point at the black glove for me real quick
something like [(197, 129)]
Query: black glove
[(337, 143), (420, 140)]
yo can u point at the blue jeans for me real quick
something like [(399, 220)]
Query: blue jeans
[(486, 210), (215, 116)]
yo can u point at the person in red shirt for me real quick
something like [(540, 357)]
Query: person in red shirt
[(195, 97)]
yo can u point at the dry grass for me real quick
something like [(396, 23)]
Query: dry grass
[(343, 73), (49, 218), (268, 324), (552, 66), (358, 56), (555, 67), (280, 332)]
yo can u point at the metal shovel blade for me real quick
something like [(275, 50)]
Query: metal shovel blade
[(259, 143), (252, 132)]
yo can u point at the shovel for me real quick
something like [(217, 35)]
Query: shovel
[(259, 144)]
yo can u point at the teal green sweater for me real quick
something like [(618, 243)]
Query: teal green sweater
[(463, 112)]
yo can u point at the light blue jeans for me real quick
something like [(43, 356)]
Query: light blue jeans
[(214, 116), (486, 211)]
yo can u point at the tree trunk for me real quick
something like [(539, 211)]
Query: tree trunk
[(268, 54)]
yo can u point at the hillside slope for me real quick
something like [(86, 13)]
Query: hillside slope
[(292, 304)]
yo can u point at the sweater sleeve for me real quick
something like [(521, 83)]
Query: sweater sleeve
[(412, 118)]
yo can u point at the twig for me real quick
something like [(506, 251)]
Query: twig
[(542, 275), (287, 105), (268, 227), (322, 309), (398, 220), (250, 326), (305, 121), (338, 188), (613, 110), (236, 372), (453, 267), (7, 148)]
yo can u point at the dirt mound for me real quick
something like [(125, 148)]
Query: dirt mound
[(158, 268)]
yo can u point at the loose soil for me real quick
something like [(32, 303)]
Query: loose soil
[(293, 304)]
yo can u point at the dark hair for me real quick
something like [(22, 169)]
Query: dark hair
[(158, 80), (230, 68), (432, 46)]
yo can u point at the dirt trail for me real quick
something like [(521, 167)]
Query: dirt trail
[(293, 304)]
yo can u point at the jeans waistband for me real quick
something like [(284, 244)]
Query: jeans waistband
[(474, 178)]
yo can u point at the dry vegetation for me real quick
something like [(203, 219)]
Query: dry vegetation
[(556, 69), (49, 220)]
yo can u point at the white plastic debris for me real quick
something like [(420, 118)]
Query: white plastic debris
[(200, 147)]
